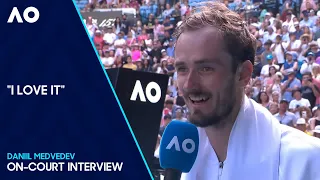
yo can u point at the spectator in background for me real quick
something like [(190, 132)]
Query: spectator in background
[(129, 64), (306, 21), (125, 24), (167, 12), (170, 49), (263, 99), (315, 121), (179, 115), (284, 116), (166, 120), (300, 106), (109, 37), (302, 126), (117, 26), (176, 13), (290, 85), (274, 108), (149, 26), (158, 30), (98, 38), (316, 132), (309, 89)]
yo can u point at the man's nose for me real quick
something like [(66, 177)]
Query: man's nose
[(192, 80)]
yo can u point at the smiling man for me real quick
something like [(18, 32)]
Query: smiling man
[(239, 139)]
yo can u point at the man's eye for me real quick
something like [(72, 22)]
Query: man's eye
[(207, 69), (182, 69)]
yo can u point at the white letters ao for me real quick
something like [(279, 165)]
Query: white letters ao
[(175, 142), (137, 90), (15, 14)]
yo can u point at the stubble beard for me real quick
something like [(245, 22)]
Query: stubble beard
[(225, 102)]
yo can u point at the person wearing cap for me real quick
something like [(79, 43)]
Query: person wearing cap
[(316, 132), (298, 31), (290, 85), (307, 67), (284, 116), (289, 23), (267, 51), (306, 21), (289, 64), (314, 48), (302, 126), (270, 35)]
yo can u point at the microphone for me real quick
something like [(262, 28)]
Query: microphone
[(178, 149)]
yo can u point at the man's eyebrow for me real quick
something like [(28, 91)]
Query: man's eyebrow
[(179, 63), (197, 62)]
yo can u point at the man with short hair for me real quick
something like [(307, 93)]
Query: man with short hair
[(238, 138), (284, 116)]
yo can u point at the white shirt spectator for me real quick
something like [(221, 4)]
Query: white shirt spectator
[(306, 67), (308, 23), (290, 26), (268, 36), (279, 52), (265, 69), (120, 53), (302, 103), (109, 38), (119, 42), (296, 44), (107, 61)]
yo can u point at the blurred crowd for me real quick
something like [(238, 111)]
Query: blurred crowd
[(286, 78)]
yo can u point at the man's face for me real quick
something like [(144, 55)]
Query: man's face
[(301, 127), (283, 106), (205, 76)]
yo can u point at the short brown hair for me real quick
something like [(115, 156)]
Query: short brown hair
[(240, 43)]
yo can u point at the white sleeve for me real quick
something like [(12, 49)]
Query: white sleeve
[(304, 68), (308, 103), (292, 105), (299, 161)]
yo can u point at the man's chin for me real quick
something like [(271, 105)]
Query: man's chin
[(203, 121)]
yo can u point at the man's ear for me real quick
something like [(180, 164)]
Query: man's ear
[(244, 73)]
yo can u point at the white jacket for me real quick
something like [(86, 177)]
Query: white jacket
[(259, 149)]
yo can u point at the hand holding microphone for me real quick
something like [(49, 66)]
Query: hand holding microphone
[(178, 149)]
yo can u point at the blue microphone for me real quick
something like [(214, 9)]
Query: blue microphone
[(178, 149)]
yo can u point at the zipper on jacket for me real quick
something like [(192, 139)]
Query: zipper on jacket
[(220, 170)]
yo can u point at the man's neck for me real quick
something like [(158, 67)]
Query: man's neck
[(281, 112), (218, 135)]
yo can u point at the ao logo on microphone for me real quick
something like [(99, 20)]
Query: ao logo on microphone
[(175, 142), (138, 91), (15, 14)]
